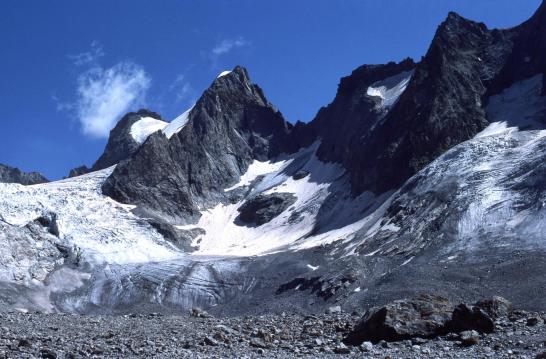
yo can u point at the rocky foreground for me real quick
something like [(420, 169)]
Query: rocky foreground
[(515, 334)]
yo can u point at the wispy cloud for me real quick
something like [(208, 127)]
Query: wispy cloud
[(103, 95), (88, 57), (226, 45)]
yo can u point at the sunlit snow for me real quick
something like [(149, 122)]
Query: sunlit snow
[(390, 89), (224, 73), (144, 127), (177, 124)]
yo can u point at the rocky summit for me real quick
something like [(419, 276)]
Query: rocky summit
[(407, 219)]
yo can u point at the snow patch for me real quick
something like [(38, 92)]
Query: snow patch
[(256, 169), (144, 127), (223, 73), (177, 124), (390, 89)]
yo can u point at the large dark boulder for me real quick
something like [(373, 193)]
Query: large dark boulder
[(14, 175), (496, 307), (263, 208), (425, 316), (470, 318)]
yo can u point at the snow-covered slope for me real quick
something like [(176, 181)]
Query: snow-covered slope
[(521, 106), (486, 193), (299, 226), (102, 229)]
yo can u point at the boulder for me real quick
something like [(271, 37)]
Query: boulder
[(263, 208), (469, 337), (425, 316), (300, 174), (470, 318), (496, 307)]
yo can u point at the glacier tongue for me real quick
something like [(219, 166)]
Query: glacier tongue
[(104, 230)]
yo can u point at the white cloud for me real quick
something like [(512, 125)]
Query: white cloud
[(88, 57), (226, 45), (104, 95)]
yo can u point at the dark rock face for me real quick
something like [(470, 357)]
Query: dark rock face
[(379, 146), (231, 125), (78, 171), (343, 125), (441, 107), (121, 144), (425, 316), (263, 208), (528, 57), (14, 175)]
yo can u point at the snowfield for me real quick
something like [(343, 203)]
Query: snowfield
[(302, 225)]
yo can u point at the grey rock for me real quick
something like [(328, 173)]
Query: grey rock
[(469, 337), (263, 208), (334, 310), (258, 343), (300, 174), (342, 349), (211, 341), (496, 307), (425, 316), (366, 346), (14, 175), (48, 354), (532, 321), (78, 171)]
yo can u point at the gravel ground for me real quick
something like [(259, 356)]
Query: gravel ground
[(273, 336)]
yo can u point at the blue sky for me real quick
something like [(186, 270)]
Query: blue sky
[(68, 68)]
